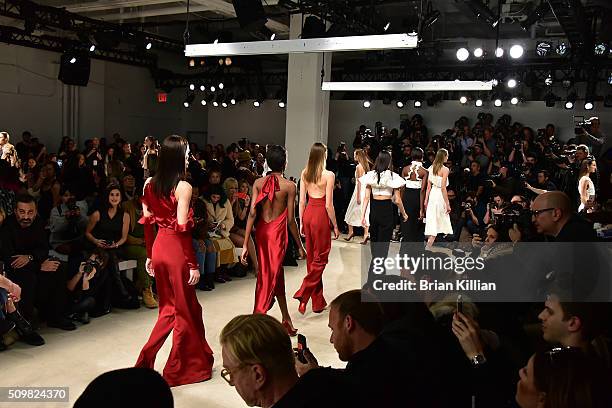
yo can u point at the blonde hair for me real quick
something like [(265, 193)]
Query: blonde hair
[(316, 163), (6, 136), (438, 162), (229, 183), (259, 339), (362, 158)]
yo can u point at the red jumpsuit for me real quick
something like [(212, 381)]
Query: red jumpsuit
[(272, 241), (172, 255), (318, 244)]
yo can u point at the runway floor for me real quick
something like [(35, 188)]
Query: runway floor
[(73, 359)]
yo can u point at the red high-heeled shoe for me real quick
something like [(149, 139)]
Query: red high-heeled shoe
[(291, 331), (302, 308)]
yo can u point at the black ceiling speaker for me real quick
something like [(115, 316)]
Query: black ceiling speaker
[(74, 69), (250, 13), (313, 28)]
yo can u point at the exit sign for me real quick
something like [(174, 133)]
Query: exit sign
[(162, 97)]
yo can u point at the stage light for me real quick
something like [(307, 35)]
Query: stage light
[(203, 102), (588, 105), (192, 62), (516, 51), (272, 37), (411, 86), (562, 49), (478, 102), (399, 104), (610, 79), (73, 60), (221, 85), (202, 88), (548, 81), (188, 100), (233, 101), (418, 103), (191, 87), (256, 103), (570, 101), (213, 89), (511, 83), (600, 49), (481, 11), (543, 48), (367, 104), (499, 52), (514, 100), (550, 100), (536, 15), (463, 54), (386, 27), (478, 52), (92, 48), (463, 100), (430, 19), (215, 104), (149, 45), (224, 104), (497, 102), (221, 61)]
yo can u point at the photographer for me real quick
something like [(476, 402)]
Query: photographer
[(475, 154), (475, 180), (502, 183), (67, 224), (89, 287), (517, 150), (473, 213), (495, 208), (592, 136), (359, 136)]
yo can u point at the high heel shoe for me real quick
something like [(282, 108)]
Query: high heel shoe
[(302, 308), (349, 238), (291, 331), (365, 241)]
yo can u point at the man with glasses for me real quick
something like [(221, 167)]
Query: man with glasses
[(258, 360)]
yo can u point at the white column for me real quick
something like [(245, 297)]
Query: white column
[(307, 104)]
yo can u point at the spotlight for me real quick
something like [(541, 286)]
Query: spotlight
[(186, 104), (536, 15), (215, 104), (221, 61), (417, 103), (233, 101), (430, 19), (550, 100), (610, 79), (367, 104), (73, 60), (600, 49), (272, 37), (203, 102), (462, 54), (191, 87), (562, 49), (92, 48), (224, 104), (514, 100), (221, 86), (202, 88), (588, 104), (483, 12), (149, 45), (228, 61), (516, 51), (548, 81), (499, 52), (386, 27), (463, 100), (478, 52), (192, 62), (511, 83), (570, 101), (399, 104), (281, 104), (188, 100), (543, 48), (497, 102), (213, 89), (216, 41), (478, 102)]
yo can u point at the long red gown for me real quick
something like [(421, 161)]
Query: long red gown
[(272, 241), (191, 358), (316, 227)]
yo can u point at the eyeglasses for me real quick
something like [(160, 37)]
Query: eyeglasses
[(535, 213), (227, 374)]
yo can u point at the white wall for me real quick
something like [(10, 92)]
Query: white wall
[(267, 124), (119, 98)]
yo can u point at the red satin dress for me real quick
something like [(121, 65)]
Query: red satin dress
[(191, 358), (316, 227), (272, 241)]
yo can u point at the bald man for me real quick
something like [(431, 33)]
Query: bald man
[(552, 215)]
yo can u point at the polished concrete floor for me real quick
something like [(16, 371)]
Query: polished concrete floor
[(113, 341)]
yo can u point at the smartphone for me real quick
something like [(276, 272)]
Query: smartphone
[(459, 304), (301, 346)]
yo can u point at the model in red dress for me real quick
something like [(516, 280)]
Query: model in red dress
[(317, 184), (172, 261), (271, 213)]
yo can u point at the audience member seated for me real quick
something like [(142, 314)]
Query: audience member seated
[(67, 224), (25, 252), (127, 387), (240, 203), (205, 251), (89, 288), (221, 221), (108, 230), (47, 191), (259, 362)]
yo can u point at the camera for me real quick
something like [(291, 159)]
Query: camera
[(90, 265), (518, 145)]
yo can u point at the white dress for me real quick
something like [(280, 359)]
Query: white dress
[(437, 221), (590, 189), (353, 212)]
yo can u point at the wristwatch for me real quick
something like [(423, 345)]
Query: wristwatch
[(478, 360), (30, 258)]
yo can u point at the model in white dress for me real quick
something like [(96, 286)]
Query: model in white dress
[(590, 190), (353, 212), (437, 221)]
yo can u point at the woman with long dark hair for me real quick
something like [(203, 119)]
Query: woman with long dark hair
[(381, 185), (586, 187), (437, 218), (317, 184), (166, 202)]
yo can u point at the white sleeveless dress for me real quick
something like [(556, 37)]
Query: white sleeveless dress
[(437, 221), (353, 212), (590, 189)]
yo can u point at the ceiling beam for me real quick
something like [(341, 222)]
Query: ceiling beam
[(102, 5), (162, 11), (227, 9)]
